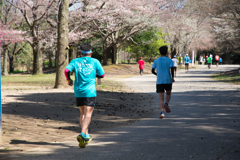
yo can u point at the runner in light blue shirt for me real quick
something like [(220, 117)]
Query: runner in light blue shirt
[(164, 78), (163, 65), (187, 61)]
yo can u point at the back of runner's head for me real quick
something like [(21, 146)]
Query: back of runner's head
[(163, 50), (86, 49)]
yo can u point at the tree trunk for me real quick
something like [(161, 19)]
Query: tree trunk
[(110, 52), (70, 52), (55, 53), (114, 52), (104, 55), (173, 52), (37, 59), (75, 51), (11, 67), (62, 43), (5, 66)]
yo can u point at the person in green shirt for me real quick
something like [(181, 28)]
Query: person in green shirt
[(209, 61), (180, 61)]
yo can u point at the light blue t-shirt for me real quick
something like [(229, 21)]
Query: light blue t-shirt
[(187, 60), (85, 69), (163, 65)]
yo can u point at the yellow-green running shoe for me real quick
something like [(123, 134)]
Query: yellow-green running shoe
[(87, 140), (81, 141)]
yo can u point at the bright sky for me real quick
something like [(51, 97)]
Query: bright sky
[(75, 6)]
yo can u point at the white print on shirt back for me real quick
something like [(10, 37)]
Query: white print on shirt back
[(85, 68)]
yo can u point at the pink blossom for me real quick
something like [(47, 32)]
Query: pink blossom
[(8, 36)]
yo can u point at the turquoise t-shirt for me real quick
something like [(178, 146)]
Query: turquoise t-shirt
[(187, 60), (163, 65), (85, 69)]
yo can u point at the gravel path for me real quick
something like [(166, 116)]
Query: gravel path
[(204, 124)]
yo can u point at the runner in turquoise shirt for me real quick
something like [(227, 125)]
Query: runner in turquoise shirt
[(86, 70)]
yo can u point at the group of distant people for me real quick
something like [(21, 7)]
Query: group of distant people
[(209, 60), (176, 63)]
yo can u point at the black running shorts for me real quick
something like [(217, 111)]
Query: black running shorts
[(88, 101), (164, 87)]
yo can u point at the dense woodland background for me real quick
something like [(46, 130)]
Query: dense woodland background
[(36, 35)]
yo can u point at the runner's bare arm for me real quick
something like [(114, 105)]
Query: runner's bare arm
[(153, 71)]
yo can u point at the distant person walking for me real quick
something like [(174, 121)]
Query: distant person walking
[(187, 61), (211, 57), (209, 61), (175, 62), (141, 65), (164, 79), (201, 60), (217, 59), (86, 69), (220, 60), (180, 61)]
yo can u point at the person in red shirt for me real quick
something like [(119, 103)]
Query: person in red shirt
[(141, 65), (217, 59)]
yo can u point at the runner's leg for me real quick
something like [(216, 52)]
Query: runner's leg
[(161, 100), (88, 110), (81, 109), (168, 96)]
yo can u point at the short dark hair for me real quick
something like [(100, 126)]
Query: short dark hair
[(163, 50), (85, 47)]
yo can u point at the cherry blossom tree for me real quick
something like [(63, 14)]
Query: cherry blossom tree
[(225, 16), (7, 36), (34, 13), (117, 21), (187, 29), (8, 18), (221, 26)]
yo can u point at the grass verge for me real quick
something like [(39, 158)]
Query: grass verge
[(45, 80), (229, 76), (27, 82)]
